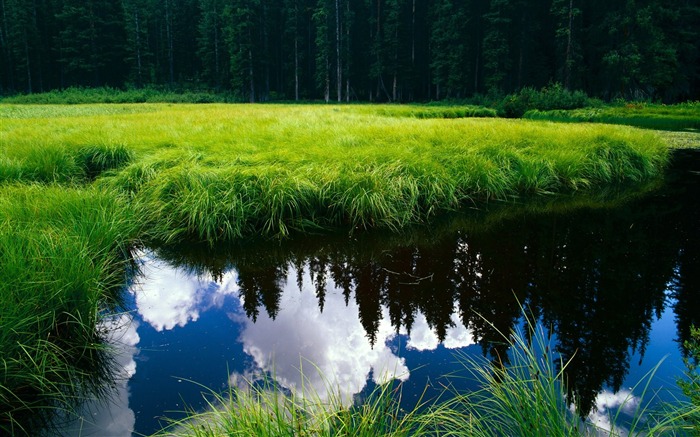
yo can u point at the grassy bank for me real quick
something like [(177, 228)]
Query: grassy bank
[(79, 184), (221, 172), (62, 255), (685, 116)]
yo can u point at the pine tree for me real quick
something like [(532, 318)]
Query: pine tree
[(211, 43), (496, 50), (137, 15), (239, 28), (449, 67), (20, 42), (91, 42), (566, 15), (323, 47)]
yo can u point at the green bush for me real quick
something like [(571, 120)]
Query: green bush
[(73, 96), (551, 97)]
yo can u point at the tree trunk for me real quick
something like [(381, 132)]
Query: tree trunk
[(327, 88), (28, 63), (567, 61), (296, 68), (296, 50), (169, 37), (4, 41), (250, 75), (217, 65), (338, 74), (139, 76)]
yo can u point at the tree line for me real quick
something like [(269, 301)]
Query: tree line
[(347, 50)]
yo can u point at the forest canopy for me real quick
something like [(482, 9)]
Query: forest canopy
[(350, 50)]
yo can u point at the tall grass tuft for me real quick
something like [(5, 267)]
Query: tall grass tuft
[(522, 394), (62, 255), (525, 393), (96, 159), (262, 408)]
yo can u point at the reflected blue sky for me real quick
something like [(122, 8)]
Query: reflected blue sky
[(189, 334)]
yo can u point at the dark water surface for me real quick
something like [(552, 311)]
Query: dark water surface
[(618, 286)]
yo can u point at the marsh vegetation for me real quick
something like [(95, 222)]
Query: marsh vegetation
[(82, 185)]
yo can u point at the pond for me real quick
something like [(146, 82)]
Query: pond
[(616, 284)]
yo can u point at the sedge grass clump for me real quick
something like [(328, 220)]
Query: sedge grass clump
[(98, 95), (424, 111), (526, 393), (62, 255), (96, 159), (264, 408), (522, 394)]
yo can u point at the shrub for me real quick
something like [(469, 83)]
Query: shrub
[(551, 97)]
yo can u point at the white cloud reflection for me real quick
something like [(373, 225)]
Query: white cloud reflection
[(112, 416), (301, 346), (607, 406), (330, 349), (424, 338), (167, 296)]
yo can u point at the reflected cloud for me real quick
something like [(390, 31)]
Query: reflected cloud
[(607, 405), (329, 348), (167, 296), (112, 416), (424, 338)]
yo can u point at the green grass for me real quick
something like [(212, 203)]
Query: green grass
[(685, 116), (525, 396), (690, 383), (80, 184), (222, 172), (62, 255), (261, 408), (423, 111)]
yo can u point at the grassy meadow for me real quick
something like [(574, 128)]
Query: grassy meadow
[(221, 172), (681, 117), (80, 185)]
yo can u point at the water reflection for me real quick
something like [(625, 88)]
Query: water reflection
[(598, 277), (110, 415)]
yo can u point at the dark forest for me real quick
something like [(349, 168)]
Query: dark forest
[(354, 50)]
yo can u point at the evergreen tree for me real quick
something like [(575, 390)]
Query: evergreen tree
[(566, 14), (18, 34), (496, 50), (378, 50), (212, 47), (449, 67), (91, 43), (322, 15), (137, 15), (240, 35)]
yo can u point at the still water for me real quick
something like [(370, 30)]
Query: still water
[(618, 287)]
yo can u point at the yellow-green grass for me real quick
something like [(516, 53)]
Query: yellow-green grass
[(220, 172), (79, 184)]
